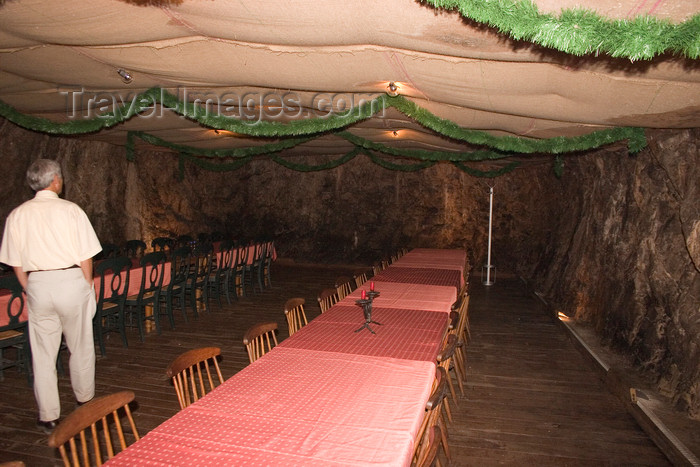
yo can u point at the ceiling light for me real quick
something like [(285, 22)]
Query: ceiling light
[(125, 75), (392, 89)]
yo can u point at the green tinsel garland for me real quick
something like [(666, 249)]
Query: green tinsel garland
[(400, 167), (582, 32), (213, 153), (317, 126), (317, 167)]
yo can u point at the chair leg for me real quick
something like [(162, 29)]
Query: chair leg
[(97, 330), (121, 323), (183, 304)]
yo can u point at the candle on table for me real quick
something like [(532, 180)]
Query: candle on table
[(364, 294), (371, 286)]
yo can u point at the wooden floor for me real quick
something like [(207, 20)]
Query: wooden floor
[(531, 399)]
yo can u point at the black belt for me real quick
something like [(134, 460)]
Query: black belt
[(59, 269)]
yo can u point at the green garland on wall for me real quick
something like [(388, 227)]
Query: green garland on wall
[(582, 32)]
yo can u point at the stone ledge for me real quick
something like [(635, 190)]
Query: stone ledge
[(674, 433)]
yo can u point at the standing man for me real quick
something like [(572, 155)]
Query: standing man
[(50, 244)]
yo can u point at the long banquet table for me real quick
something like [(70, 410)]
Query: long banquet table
[(328, 395)]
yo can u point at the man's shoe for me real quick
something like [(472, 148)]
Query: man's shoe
[(78, 403), (47, 427)]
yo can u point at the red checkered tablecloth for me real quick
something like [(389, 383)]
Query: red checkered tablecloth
[(426, 276), (297, 407), (403, 334)]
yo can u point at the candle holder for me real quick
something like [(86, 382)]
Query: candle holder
[(366, 304)]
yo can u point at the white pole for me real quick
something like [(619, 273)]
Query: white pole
[(488, 260)]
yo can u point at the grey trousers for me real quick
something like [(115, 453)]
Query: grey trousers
[(60, 302)]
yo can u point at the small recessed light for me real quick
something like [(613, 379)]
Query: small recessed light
[(125, 75), (392, 89)]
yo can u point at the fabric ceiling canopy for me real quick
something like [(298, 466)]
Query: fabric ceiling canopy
[(60, 61)]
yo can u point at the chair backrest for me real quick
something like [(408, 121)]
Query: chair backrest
[(327, 298), (343, 286), (461, 330), (153, 265), (162, 243), (179, 267), (226, 259), (134, 248), (360, 277), (15, 304), (76, 425), (184, 240), (433, 414), (294, 311), (114, 279), (242, 252), (200, 266), (110, 250), (433, 439), (190, 371), (217, 236), (260, 339), (258, 253)]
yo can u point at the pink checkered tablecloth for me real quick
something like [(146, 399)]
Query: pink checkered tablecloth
[(407, 296), (425, 276), (434, 258), (402, 334), (297, 407)]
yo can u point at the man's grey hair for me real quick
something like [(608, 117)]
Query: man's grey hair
[(40, 174)]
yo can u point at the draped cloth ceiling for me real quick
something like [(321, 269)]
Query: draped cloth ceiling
[(283, 61)]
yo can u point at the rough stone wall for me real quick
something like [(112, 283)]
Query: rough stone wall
[(93, 175), (614, 242), (625, 257)]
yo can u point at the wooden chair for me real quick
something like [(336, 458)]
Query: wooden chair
[(219, 277), (14, 334), (187, 373), (113, 276), (460, 328), (267, 263), (255, 270), (184, 241), (444, 359), (433, 417), (75, 427), (434, 435), (239, 265), (197, 286), (134, 248), (174, 292), (327, 298), (360, 277), (294, 311), (109, 250), (152, 271), (164, 244), (343, 287), (259, 340)]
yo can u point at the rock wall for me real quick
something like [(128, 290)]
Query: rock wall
[(615, 242), (624, 256)]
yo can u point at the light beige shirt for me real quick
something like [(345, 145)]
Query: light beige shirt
[(46, 233)]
